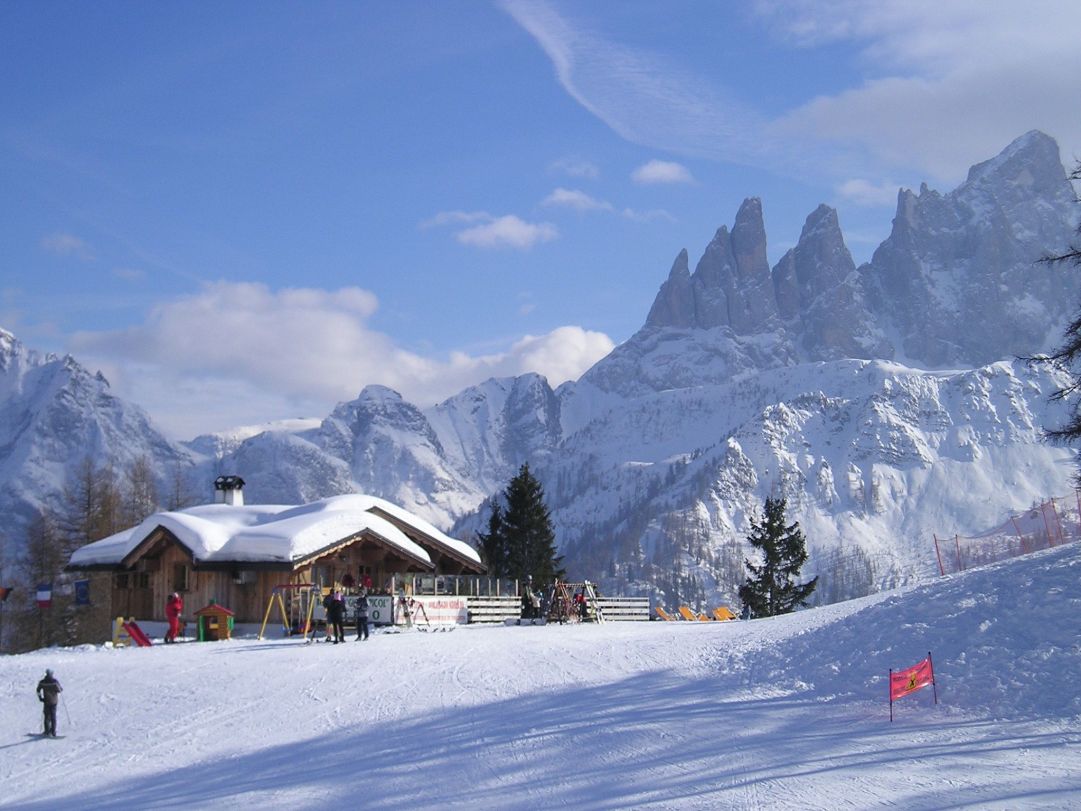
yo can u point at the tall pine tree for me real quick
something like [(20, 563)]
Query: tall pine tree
[(493, 544), (771, 588), (520, 542)]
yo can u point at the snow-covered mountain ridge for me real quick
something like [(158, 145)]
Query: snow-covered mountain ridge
[(884, 402)]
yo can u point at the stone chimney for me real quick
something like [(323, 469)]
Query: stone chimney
[(229, 490)]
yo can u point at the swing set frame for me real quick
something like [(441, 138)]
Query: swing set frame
[(309, 590)]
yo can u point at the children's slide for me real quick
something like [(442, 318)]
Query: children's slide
[(137, 635)]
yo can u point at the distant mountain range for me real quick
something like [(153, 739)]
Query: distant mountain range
[(884, 401)]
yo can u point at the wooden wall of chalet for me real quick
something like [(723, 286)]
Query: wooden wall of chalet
[(244, 592)]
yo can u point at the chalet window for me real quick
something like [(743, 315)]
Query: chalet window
[(121, 581), (180, 577)]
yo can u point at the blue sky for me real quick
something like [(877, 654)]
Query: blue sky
[(242, 212)]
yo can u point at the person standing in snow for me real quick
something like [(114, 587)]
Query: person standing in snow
[(362, 615), (174, 607), (49, 691), (336, 616), (327, 601)]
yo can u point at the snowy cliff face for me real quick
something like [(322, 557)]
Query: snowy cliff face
[(439, 463), (956, 284), (54, 414), (813, 379), (957, 279)]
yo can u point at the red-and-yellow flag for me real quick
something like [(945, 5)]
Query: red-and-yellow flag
[(911, 679)]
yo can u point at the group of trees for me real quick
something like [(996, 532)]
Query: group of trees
[(98, 500), (520, 544)]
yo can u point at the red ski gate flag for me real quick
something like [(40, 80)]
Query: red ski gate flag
[(909, 680)]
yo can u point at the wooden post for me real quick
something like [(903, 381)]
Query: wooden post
[(889, 688), (957, 545), (938, 554)]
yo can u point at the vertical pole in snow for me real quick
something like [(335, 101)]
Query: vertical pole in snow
[(1017, 529), (934, 687), (1046, 526), (957, 546), (938, 554), (889, 686), (1058, 521)]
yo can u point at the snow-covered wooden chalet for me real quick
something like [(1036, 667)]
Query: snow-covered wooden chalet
[(235, 554)]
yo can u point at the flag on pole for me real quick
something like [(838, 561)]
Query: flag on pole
[(82, 592), (908, 681), (45, 595), (911, 679)]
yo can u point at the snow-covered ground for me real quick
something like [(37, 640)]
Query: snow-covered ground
[(780, 713)]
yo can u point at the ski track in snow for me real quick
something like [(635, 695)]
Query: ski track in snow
[(786, 713)]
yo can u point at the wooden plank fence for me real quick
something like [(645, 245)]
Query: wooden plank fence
[(493, 609), (613, 609), (624, 609)]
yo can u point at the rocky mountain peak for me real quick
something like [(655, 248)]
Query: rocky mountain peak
[(674, 304), (1032, 160)]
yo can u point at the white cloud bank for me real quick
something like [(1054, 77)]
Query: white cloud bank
[(936, 86), (241, 353)]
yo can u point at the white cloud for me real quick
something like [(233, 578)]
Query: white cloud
[(488, 231), (644, 97), (865, 193), (933, 86), (240, 353), (652, 215), (578, 200), (573, 167), (508, 231), (67, 245), (456, 218), (565, 353), (656, 171), (947, 83)]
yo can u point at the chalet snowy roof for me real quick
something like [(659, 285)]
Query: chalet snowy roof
[(225, 533)]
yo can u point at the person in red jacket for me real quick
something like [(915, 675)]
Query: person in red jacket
[(174, 606)]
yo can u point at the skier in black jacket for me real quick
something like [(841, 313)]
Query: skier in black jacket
[(49, 691), (336, 616)]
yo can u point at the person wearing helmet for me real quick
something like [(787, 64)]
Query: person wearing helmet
[(49, 691), (174, 606)]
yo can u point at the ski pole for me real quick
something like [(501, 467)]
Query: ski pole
[(67, 714)]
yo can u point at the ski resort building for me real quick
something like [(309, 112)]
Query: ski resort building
[(235, 554)]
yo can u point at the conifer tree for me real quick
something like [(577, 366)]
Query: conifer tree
[(520, 542), (1068, 354), (771, 588), (493, 544)]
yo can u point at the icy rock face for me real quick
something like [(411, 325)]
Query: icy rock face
[(958, 278), (54, 414), (957, 283), (819, 291)]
